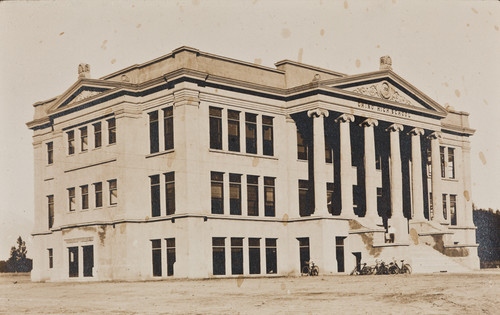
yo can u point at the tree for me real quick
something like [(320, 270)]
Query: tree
[(18, 261)]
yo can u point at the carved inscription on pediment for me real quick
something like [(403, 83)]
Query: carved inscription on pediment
[(383, 90)]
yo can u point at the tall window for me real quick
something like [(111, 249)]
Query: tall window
[(218, 256), (251, 132), (168, 127), (170, 256), (303, 198), (254, 255), (113, 192), (235, 194), (88, 260), (73, 261), (71, 199), (85, 196), (51, 258), (328, 151), (445, 210), (170, 192), (301, 147), (233, 126), (217, 184), (269, 210), (443, 168), (50, 210), (71, 142), (111, 131), (155, 196), (98, 194), (271, 256), (154, 144), (451, 162), (50, 152), (329, 196), (304, 252), (215, 127), (156, 249), (453, 209), (339, 253), (83, 139), (267, 135), (236, 256), (253, 195), (97, 135)]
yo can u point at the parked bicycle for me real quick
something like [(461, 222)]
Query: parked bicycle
[(394, 268), (381, 268), (310, 269), (363, 269)]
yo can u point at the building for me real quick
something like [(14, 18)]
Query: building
[(196, 165)]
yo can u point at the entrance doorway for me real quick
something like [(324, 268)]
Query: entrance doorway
[(73, 261)]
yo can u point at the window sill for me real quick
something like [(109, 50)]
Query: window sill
[(450, 179), (150, 155), (270, 157)]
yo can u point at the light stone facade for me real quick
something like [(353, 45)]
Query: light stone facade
[(196, 165)]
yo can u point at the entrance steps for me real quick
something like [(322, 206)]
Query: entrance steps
[(425, 259)]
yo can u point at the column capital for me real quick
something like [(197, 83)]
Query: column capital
[(370, 122), (345, 118), (416, 132), (317, 112), (395, 127), (435, 135)]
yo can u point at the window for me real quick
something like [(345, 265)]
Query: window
[(71, 199), (304, 252), (267, 135), (97, 135), (168, 127), (111, 131), (445, 210), (339, 253), (51, 258), (429, 162), (235, 194), (217, 192), (156, 249), (269, 210), (85, 196), (170, 192), (50, 152), (254, 255), (113, 192), (431, 208), (236, 256), (253, 195), (233, 126), (218, 256), (453, 209), (73, 261), (50, 209), (301, 147), (71, 142), (153, 132), (443, 169), (251, 132), (170, 256), (98, 194), (328, 151), (271, 256), (329, 197), (88, 260), (215, 128), (83, 139), (304, 206), (155, 196), (451, 163)]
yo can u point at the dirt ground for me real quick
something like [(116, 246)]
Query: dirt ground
[(475, 293)]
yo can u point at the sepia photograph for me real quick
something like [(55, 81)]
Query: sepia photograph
[(249, 157)]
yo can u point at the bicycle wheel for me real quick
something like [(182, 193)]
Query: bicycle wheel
[(354, 272), (315, 271), (366, 270), (406, 269), (305, 270), (393, 270)]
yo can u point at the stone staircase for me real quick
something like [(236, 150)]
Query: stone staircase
[(425, 259)]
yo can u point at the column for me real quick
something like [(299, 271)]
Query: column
[(396, 172), (370, 170), (318, 115), (291, 170), (346, 172), (437, 199), (416, 179)]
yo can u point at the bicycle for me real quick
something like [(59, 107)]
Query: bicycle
[(395, 269), (363, 269), (310, 269), (381, 268)]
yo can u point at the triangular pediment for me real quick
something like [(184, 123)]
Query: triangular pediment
[(387, 86)]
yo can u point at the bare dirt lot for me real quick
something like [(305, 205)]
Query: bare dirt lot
[(475, 293)]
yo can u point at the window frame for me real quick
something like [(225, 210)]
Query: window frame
[(113, 191), (251, 133), (111, 131), (170, 194), (215, 127), (50, 153), (267, 128)]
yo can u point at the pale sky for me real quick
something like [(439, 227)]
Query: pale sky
[(449, 50)]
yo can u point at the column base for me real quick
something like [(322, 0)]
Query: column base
[(371, 221)]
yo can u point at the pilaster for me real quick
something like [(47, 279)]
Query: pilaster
[(346, 171)]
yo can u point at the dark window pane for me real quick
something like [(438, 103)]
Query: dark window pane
[(254, 255), (168, 123), (73, 261), (88, 260), (237, 256), (50, 153), (271, 256), (301, 147), (97, 135), (233, 126), (170, 256), (269, 197), (83, 139), (50, 206), (85, 196), (253, 195), (251, 132), (215, 128), (267, 135), (98, 194), (156, 259), (155, 196), (170, 192), (111, 131), (154, 143), (218, 256), (71, 142), (217, 193)]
